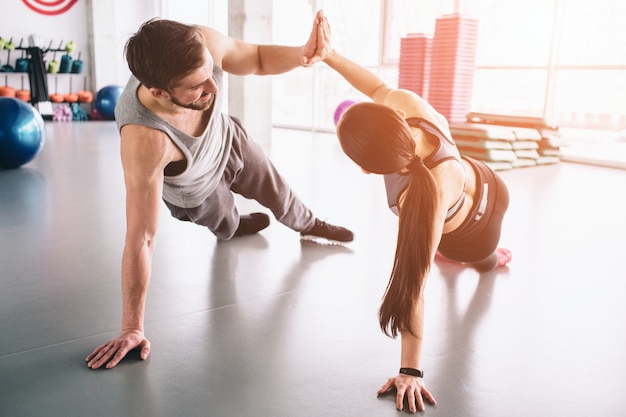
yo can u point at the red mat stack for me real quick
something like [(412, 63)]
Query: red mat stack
[(414, 67), (452, 65)]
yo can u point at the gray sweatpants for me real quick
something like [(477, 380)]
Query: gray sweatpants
[(250, 173)]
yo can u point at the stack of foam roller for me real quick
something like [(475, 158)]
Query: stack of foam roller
[(414, 64), (505, 142), (452, 65)]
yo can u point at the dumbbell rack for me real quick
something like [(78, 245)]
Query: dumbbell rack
[(37, 77)]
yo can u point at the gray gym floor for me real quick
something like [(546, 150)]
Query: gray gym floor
[(270, 326)]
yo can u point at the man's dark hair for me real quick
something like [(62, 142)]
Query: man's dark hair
[(163, 51)]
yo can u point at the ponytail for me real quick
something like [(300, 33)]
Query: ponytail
[(413, 251)]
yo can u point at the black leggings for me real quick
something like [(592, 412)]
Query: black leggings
[(476, 239)]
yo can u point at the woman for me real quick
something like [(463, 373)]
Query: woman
[(448, 205)]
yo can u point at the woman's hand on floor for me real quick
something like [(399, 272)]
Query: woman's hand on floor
[(410, 386)]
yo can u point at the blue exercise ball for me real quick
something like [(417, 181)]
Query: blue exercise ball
[(21, 133), (106, 100)]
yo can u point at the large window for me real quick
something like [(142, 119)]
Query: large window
[(590, 86), (402, 17), (307, 97), (553, 58), (560, 59)]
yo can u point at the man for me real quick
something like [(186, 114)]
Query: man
[(177, 146)]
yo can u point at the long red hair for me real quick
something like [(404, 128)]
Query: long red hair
[(379, 140)]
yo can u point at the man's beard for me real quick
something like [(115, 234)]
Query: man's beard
[(196, 105)]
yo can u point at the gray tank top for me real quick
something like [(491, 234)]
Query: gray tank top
[(206, 154), (445, 150)]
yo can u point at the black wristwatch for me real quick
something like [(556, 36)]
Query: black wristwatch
[(413, 372)]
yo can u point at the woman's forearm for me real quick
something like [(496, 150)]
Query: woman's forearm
[(412, 341), (359, 77)]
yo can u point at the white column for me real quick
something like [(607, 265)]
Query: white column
[(110, 23), (250, 97)]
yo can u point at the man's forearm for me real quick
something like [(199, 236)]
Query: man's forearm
[(275, 59), (136, 268)]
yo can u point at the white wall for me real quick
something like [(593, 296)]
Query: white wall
[(99, 28), (17, 21)]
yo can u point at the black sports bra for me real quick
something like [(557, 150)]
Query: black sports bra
[(445, 150)]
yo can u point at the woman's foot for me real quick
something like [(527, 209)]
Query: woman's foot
[(504, 256)]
